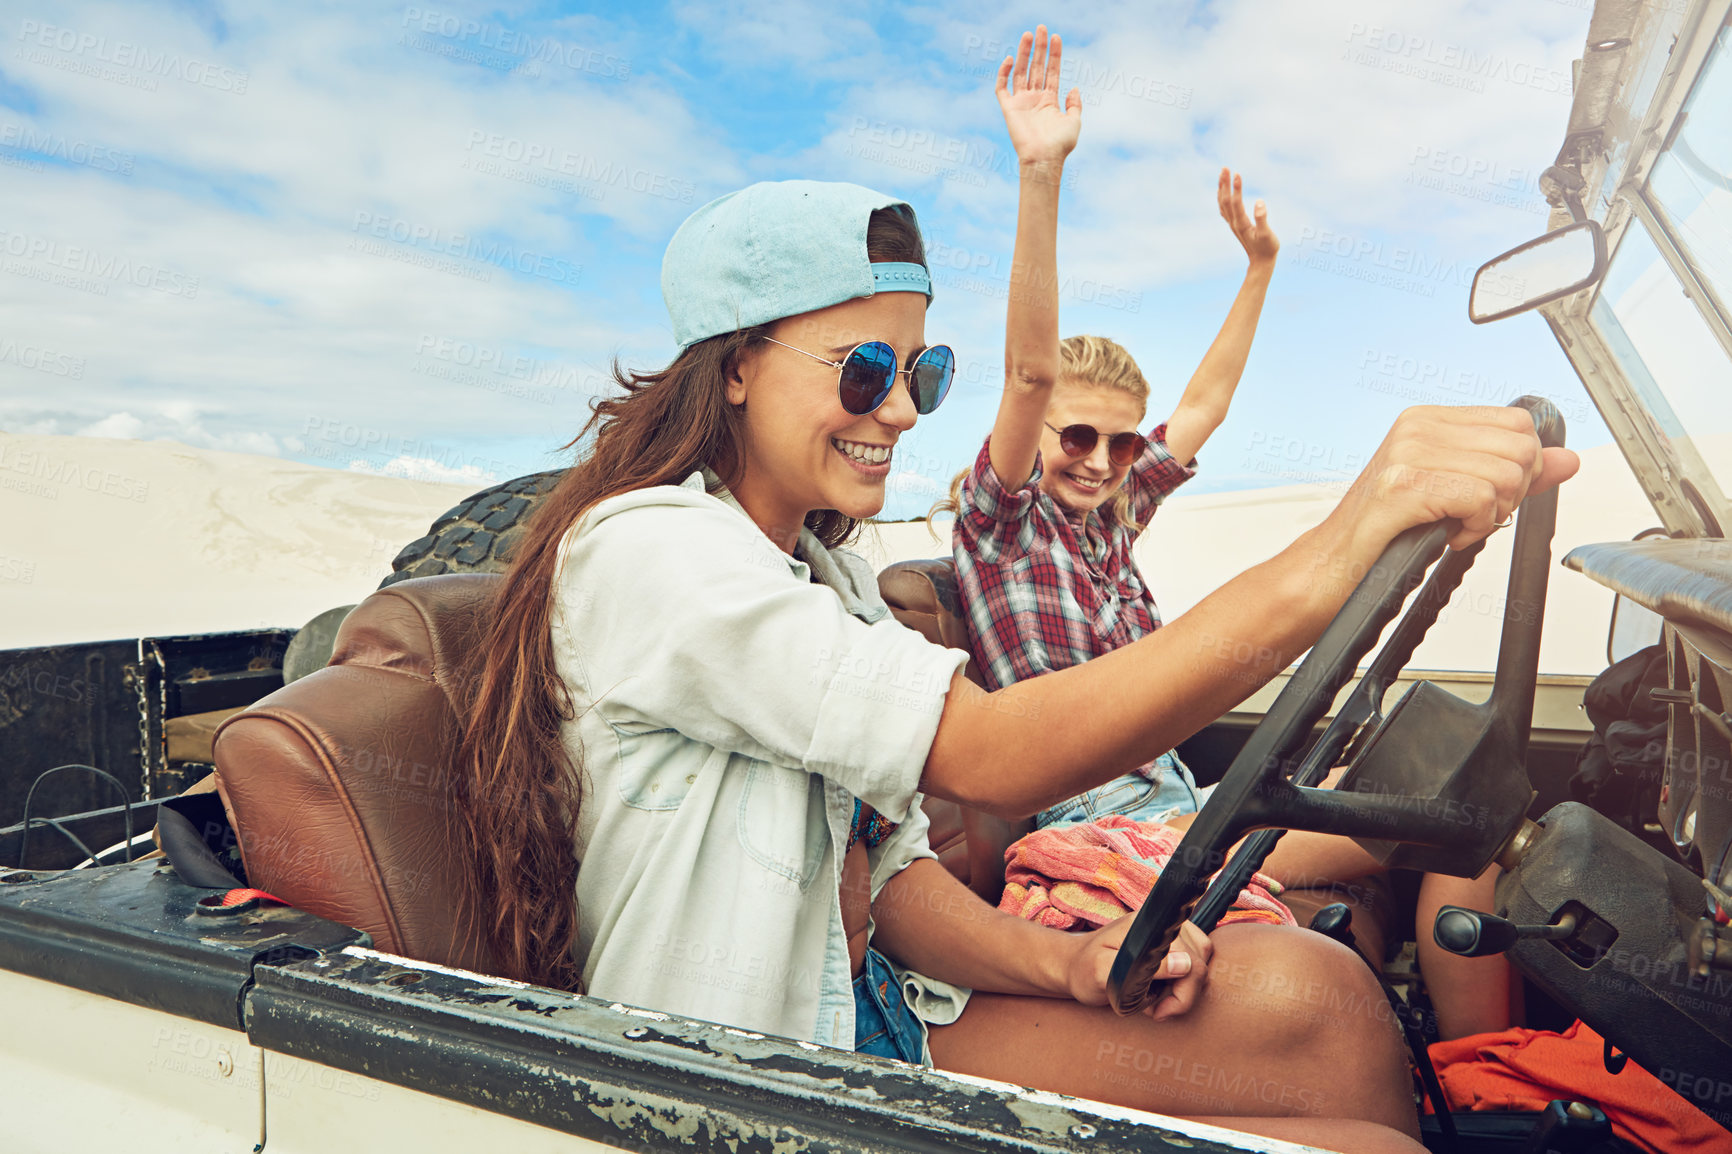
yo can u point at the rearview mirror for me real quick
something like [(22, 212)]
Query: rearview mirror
[(1538, 272)]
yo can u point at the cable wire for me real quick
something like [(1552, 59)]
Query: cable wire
[(29, 797)]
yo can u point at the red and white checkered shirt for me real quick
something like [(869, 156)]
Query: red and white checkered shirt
[(1043, 590)]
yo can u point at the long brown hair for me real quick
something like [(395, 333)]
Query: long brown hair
[(521, 788)]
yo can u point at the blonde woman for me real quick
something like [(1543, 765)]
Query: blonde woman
[(1047, 516)]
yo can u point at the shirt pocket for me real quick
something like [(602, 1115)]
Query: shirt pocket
[(782, 821), (1130, 586), (1030, 567), (656, 770)]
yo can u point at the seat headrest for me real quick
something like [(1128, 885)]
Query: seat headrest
[(923, 596), (427, 627), (340, 785)]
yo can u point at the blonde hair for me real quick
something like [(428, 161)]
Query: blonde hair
[(1084, 363), (1101, 363)]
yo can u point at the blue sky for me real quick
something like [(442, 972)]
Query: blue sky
[(410, 238)]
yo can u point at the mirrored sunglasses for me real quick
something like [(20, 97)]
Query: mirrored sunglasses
[(868, 373)]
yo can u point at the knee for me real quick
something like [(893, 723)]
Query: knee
[(1304, 993)]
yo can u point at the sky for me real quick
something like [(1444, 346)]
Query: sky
[(411, 239)]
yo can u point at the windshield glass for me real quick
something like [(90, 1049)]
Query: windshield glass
[(1692, 183), (1669, 355)]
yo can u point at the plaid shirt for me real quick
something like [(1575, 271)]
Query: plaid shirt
[(1043, 591)]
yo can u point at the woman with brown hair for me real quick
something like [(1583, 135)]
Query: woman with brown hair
[(696, 758)]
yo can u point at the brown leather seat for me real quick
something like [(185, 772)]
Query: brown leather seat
[(340, 785), (923, 596)]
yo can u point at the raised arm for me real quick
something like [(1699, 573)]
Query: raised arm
[(1210, 391), (1039, 741), (1043, 132)]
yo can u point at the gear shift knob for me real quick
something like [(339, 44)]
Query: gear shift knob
[(1473, 934)]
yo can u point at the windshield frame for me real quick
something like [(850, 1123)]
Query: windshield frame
[(1615, 148)]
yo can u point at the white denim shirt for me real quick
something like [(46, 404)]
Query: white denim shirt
[(728, 711)]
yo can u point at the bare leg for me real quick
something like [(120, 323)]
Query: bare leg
[(1292, 1025), (1471, 995), (1302, 858)]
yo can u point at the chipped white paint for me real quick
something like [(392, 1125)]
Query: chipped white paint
[(435, 968), (1040, 1110), (652, 1015), (747, 1034), (1044, 1117), (671, 1119), (682, 1123)]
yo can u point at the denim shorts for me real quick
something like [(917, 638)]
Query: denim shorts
[(884, 1025), (1170, 790)]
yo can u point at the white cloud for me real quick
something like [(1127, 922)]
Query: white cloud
[(269, 313), (176, 421), (259, 290), (123, 426), (426, 469)]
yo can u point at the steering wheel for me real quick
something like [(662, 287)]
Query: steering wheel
[(1413, 775)]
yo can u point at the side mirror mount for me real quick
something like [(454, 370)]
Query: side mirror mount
[(1544, 269)]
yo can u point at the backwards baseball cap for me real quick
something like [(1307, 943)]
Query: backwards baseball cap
[(777, 249)]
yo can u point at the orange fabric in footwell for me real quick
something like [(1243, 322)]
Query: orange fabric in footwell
[(1526, 1069)]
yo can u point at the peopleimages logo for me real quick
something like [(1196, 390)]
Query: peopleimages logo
[(1454, 65), (30, 356), (589, 169), (458, 244), (91, 51), (1392, 265), (51, 470), (24, 138), (496, 38), (104, 267)]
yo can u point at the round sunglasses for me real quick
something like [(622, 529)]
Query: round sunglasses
[(868, 373), (1080, 440)]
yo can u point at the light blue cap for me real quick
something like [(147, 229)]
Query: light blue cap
[(774, 250)]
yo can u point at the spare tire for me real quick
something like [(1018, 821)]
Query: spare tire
[(477, 534)]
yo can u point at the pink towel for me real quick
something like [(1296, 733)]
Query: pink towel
[(1085, 876)]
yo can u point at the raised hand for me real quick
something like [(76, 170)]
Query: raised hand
[(1258, 238), (1041, 129)]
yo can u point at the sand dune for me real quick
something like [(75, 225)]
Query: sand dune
[(112, 538)]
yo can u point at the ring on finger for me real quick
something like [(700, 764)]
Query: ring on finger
[(1505, 523)]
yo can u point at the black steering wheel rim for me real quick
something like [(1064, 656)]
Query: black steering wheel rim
[(1256, 794)]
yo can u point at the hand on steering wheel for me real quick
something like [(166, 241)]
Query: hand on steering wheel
[(1416, 768), (1185, 968)]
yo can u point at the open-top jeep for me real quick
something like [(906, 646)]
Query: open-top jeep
[(143, 1011)]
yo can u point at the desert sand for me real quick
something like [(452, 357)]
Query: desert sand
[(108, 538)]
